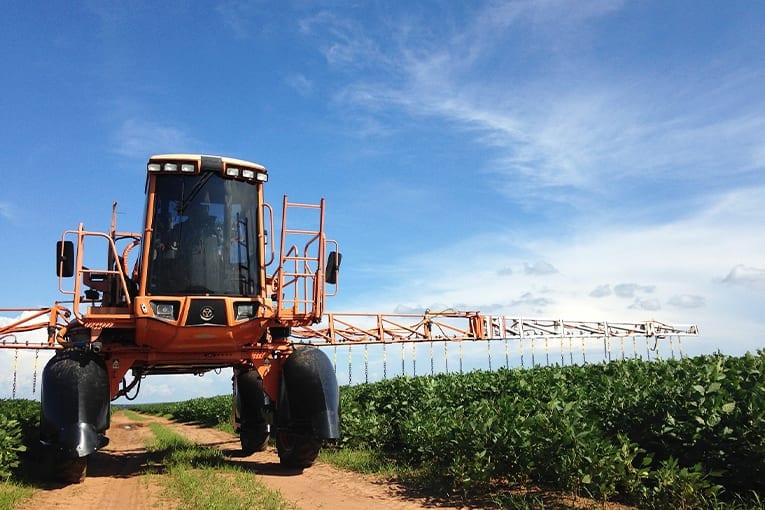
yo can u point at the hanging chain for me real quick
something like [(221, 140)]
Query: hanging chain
[(432, 365), (366, 363), (34, 374), (488, 349), (385, 361), (15, 368), (350, 378)]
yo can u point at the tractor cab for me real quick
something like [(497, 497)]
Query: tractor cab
[(204, 232)]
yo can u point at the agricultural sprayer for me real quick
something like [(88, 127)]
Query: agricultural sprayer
[(203, 287)]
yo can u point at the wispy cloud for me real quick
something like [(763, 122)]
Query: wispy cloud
[(629, 290), (539, 267), (747, 276), (6, 210), (561, 125), (137, 137), (300, 83), (687, 301), (237, 15)]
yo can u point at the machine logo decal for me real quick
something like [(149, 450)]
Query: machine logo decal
[(207, 313)]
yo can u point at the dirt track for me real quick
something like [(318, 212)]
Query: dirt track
[(116, 477)]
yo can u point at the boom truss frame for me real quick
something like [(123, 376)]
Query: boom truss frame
[(360, 328)]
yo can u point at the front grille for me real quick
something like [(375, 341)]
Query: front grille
[(206, 311)]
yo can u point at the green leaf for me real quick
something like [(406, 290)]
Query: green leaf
[(729, 407)]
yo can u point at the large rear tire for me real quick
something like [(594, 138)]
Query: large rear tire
[(297, 450)]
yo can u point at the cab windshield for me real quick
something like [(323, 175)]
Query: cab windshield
[(204, 239)]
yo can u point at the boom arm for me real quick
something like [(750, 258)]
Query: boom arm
[(359, 328)]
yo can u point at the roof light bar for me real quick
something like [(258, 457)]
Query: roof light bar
[(174, 163)]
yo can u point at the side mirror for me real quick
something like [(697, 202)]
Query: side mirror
[(65, 259), (333, 267)]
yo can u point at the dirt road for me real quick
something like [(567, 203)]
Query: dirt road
[(117, 479)]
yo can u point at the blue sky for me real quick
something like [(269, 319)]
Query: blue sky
[(594, 160)]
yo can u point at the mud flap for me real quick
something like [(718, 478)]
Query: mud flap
[(309, 401), (75, 403)]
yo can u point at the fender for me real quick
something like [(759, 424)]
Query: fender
[(309, 400), (75, 403)]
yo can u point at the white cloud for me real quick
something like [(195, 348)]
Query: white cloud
[(237, 16), (300, 84), (601, 291), (752, 277), (682, 259), (539, 267), (687, 301), (6, 210), (629, 290), (650, 305), (136, 138)]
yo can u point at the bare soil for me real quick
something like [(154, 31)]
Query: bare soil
[(117, 477)]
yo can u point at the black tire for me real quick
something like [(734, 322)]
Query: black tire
[(56, 466), (297, 450), (253, 440), (73, 470)]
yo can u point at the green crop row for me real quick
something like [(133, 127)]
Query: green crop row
[(207, 411), (19, 421), (666, 434)]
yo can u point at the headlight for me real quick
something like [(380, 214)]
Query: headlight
[(154, 167), (165, 309), (171, 167), (188, 168), (244, 310)]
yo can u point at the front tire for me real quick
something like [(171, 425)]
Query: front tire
[(253, 440), (73, 470), (60, 467), (297, 450)]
